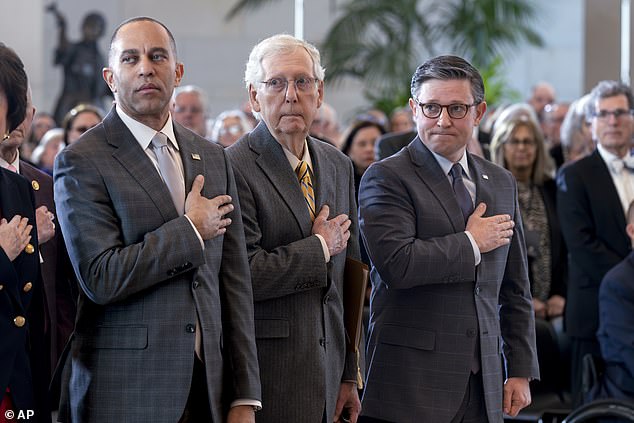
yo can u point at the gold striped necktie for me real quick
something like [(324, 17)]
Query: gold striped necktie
[(305, 182)]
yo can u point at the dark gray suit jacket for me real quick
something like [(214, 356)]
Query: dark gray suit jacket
[(430, 304), (298, 297), (144, 279)]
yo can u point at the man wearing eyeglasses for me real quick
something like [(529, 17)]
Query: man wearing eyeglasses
[(299, 213), (593, 196), (189, 107), (450, 290)]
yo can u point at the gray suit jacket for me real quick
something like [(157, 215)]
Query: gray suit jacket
[(430, 304), (298, 297), (145, 278)]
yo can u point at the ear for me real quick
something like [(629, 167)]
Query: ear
[(108, 76), (414, 106), (480, 110), (630, 230), (320, 94), (180, 71), (253, 99)]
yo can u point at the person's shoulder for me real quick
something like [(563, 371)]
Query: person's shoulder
[(617, 279), (14, 178), (39, 180), (30, 171)]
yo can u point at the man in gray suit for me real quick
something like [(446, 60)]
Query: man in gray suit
[(164, 327), (450, 290), (299, 213)]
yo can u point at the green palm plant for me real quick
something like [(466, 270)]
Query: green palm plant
[(382, 41)]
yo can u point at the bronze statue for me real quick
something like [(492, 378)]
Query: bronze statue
[(82, 63)]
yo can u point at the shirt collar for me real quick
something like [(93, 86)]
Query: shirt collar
[(16, 162), (143, 133), (294, 161), (446, 164)]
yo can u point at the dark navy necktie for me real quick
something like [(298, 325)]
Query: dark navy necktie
[(462, 194)]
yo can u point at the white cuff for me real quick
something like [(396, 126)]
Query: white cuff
[(324, 246), (200, 238), (476, 250), (257, 405)]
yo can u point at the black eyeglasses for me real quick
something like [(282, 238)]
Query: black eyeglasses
[(434, 110), (618, 113), (278, 85)]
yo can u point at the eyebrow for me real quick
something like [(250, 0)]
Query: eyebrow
[(153, 50)]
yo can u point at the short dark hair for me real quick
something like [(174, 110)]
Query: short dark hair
[(447, 68), (72, 114), (605, 89), (140, 19), (13, 83), (356, 127)]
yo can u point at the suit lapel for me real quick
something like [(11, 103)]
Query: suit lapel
[(430, 172), (602, 180), (482, 183), (273, 162), (193, 161), (129, 153)]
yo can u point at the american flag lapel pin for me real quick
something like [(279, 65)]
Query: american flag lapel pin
[(195, 156), (485, 176)]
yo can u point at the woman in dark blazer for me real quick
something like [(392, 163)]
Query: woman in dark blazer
[(19, 258)]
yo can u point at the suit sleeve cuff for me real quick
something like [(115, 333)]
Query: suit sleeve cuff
[(476, 250), (200, 238), (324, 247), (257, 405)]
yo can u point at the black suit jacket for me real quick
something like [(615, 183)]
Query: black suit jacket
[(19, 280), (391, 143), (593, 225)]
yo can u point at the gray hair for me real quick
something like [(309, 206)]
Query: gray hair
[(605, 89), (275, 45), (447, 68), (503, 132), (515, 111), (244, 121), (202, 95)]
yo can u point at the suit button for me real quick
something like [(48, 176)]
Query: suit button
[(326, 299), (27, 287), (471, 333), (196, 284), (477, 290), (190, 328), (19, 321), (29, 249), (1, 287)]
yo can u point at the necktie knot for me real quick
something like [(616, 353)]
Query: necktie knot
[(159, 140), (12, 168), (456, 171)]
